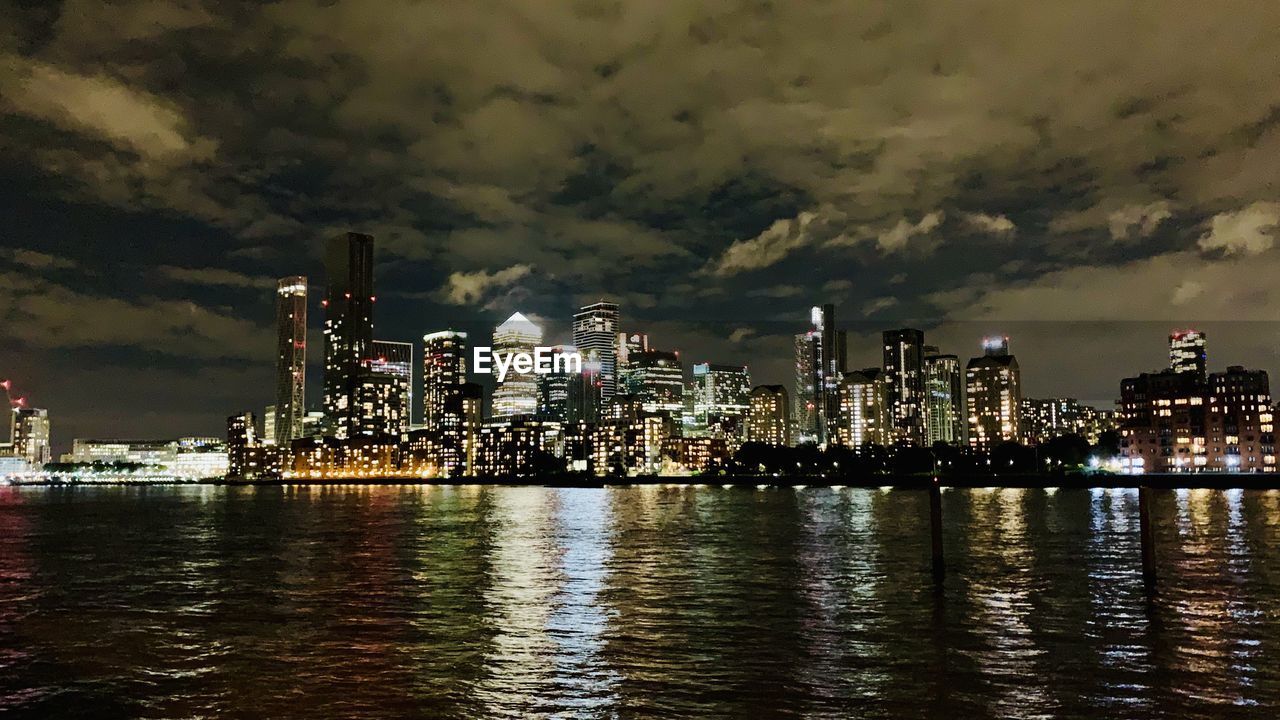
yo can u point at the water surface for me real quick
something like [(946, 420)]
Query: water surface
[(364, 602)]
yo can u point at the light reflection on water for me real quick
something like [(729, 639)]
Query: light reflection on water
[(469, 601)]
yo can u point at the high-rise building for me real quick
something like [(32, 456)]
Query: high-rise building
[(379, 407), (993, 385), (291, 360), (721, 397), (659, 379), (444, 370), (554, 390), (269, 425), (517, 394), (396, 359), (1187, 353), (905, 384), (629, 344), (595, 330), (808, 396), (348, 326), (31, 435), (768, 416), (864, 410), (944, 398), (247, 457), (820, 359)]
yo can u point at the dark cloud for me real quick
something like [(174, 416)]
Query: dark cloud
[(724, 163)]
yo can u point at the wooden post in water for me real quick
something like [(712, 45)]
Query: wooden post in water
[(935, 531), (1147, 530)]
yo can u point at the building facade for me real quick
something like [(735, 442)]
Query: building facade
[(864, 410), (905, 384), (721, 398), (768, 416), (444, 371), (291, 360), (993, 387), (348, 326), (517, 394), (595, 333), (944, 399)]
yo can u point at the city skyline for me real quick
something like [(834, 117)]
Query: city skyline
[(160, 177)]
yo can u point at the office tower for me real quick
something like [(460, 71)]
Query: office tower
[(517, 394), (444, 370), (864, 410), (905, 381), (31, 435), (595, 329), (396, 359), (659, 380), (554, 389), (1240, 434), (586, 392), (628, 345), (768, 416), (994, 387), (348, 325), (291, 361), (944, 398), (1187, 353), (721, 396), (460, 421)]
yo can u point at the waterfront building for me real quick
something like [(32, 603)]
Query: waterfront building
[(904, 379), (31, 435), (444, 371), (629, 344), (332, 458), (595, 331), (517, 448), (285, 420), (1187, 353), (348, 326), (269, 425), (248, 458), (768, 416), (694, 454), (1240, 435), (944, 398), (517, 394), (864, 417), (993, 385)]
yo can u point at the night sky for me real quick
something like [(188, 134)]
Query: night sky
[(1083, 177)]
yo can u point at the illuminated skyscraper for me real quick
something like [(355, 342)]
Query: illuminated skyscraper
[(629, 344), (721, 396), (31, 435), (768, 416), (291, 360), (993, 385), (659, 378), (864, 410), (396, 360), (444, 370), (944, 398), (348, 325), (1187, 353), (905, 381), (820, 359), (595, 329), (517, 394)]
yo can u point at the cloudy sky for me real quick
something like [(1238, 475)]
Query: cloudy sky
[(1080, 176)]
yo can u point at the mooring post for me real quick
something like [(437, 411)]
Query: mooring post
[(1147, 530), (935, 528)]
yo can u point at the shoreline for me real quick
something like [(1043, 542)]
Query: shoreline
[(1242, 481)]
